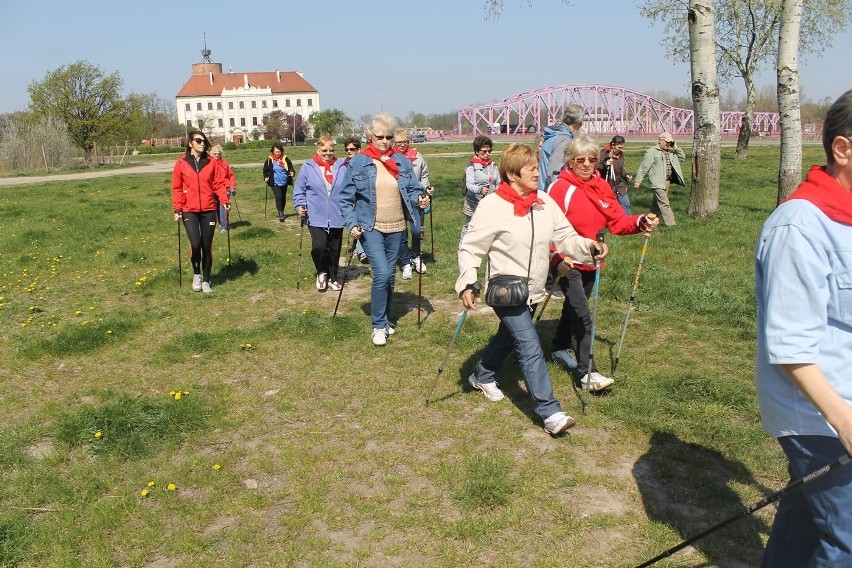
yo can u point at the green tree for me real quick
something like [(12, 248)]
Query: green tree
[(275, 125), (746, 38), (87, 101), (329, 121)]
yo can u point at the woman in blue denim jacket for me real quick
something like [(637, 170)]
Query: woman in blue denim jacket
[(379, 195)]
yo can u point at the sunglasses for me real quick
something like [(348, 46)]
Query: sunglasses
[(586, 159), (353, 149), (199, 140), (388, 137)]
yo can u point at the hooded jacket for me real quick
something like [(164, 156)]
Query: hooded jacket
[(550, 156), (194, 183)]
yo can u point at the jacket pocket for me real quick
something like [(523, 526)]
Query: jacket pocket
[(844, 295), (361, 181)]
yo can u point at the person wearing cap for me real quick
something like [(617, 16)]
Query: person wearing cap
[(662, 171), (554, 140)]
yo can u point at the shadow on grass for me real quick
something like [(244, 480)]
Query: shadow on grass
[(687, 487), (236, 269)]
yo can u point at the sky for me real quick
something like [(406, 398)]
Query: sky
[(428, 56)]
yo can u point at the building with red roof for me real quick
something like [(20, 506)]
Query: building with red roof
[(232, 105)]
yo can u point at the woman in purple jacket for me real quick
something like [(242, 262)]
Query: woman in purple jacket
[(316, 195)]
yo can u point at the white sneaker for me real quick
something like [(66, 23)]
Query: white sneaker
[(419, 265), (407, 272), (557, 423), (379, 336), (491, 391), (196, 282), (206, 287), (389, 330), (322, 281), (595, 382)]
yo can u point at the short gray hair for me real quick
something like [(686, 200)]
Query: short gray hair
[(382, 120), (573, 115), (580, 146)]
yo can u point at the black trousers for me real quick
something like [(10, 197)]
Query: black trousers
[(575, 325), (325, 250), (200, 228), (280, 193)]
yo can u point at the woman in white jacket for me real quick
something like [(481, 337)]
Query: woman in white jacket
[(514, 226)]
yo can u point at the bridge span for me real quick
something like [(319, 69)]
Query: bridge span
[(609, 110)]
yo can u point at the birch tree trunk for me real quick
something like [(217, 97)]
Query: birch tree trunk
[(790, 170), (706, 144)]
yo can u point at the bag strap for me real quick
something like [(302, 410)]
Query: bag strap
[(532, 243)]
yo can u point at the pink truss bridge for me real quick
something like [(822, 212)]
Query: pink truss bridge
[(609, 110)]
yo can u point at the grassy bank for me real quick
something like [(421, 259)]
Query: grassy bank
[(147, 425)]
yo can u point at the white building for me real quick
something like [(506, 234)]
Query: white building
[(232, 105)]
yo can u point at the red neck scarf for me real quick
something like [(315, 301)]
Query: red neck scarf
[(386, 159), (411, 154), (522, 204), (484, 162), (594, 187), (326, 166), (280, 161), (827, 194)]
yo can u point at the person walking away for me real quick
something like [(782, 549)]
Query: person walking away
[(230, 184), (662, 166), (196, 184), (379, 193), (409, 256), (553, 142), (588, 203), (803, 284), (316, 194), (514, 227), (480, 177), (611, 168), (278, 173)]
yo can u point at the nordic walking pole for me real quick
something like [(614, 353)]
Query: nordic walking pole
[(420, 276), (550, 292), (431, 231), (265, 201), (349, 254), (477, 288), (301, 236), (595, 291), (792, 486), (237, 205), (228, 221), (630, 302), (180, 270)]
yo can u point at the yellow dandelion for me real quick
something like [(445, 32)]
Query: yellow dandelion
[(99, 434), (171, 393), (171, 486), (185, 392), (217, 466), (78, 313), (109, 331), (152, 483), (144, 493), (178, 395)]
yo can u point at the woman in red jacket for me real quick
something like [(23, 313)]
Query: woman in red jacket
[(590, 205), (195, 181)]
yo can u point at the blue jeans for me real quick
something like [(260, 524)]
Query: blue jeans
[(516, 330), (624, 201), (408, 254), (813, 525), (382, 250)]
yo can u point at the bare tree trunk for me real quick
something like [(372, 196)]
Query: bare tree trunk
[(706, 144), (790, 170), (748, 117)]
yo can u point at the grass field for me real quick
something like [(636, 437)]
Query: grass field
[(151, 426)]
